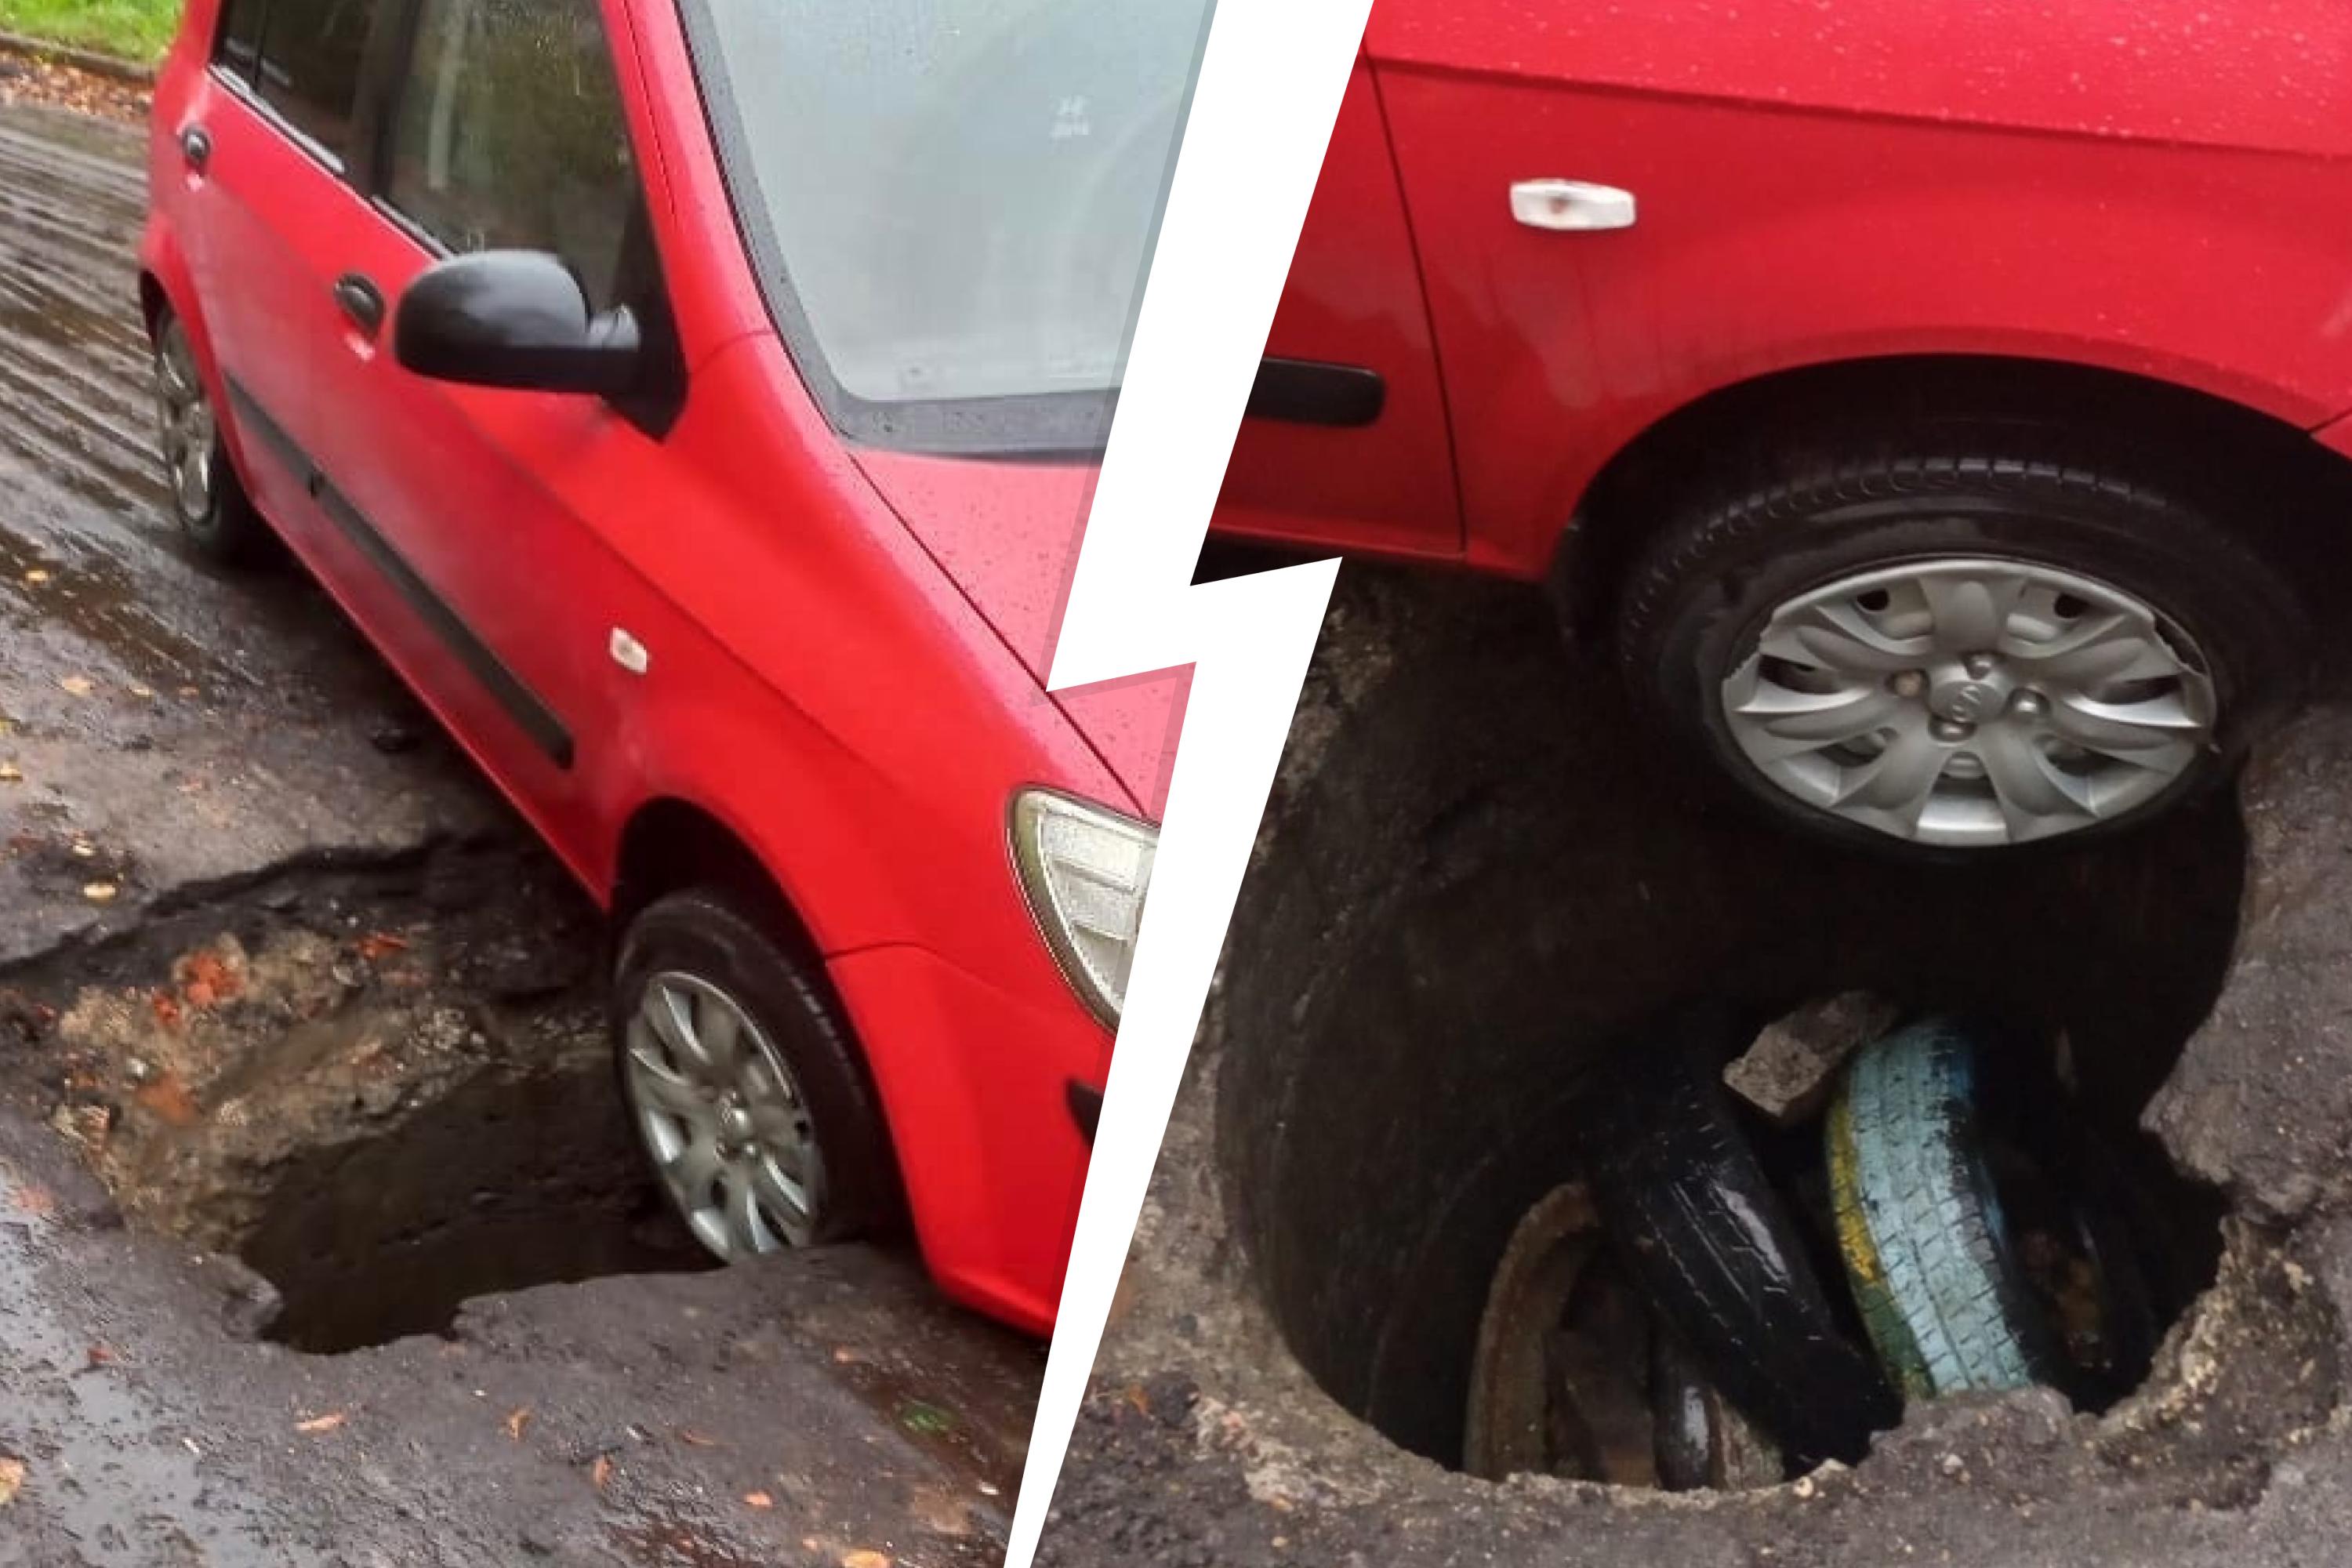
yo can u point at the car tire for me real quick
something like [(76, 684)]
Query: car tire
[(1919, 1222), (207, 499), (1697, 607), (783, 1107), (1704, 1234)]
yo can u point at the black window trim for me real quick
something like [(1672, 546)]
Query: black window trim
[(392, 18), (301, 140)]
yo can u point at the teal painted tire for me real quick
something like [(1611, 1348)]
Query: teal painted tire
[(1920, 1226)]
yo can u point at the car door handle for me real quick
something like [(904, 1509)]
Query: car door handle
[(196, 146), (360, 299)]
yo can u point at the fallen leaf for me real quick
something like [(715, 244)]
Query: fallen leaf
[(326, 1422), (36, 577), (83, 849), (143, 691), (865, 1557), (694, 1439), (205, 977), (757, 1500), (169, 1099), (12, 1475), (601, 1472), (75, 685), (100, 892), (516, 1421), (376, 944), (167, 1009), (11, 773)]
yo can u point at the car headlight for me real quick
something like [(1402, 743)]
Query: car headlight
[(1085, 871)]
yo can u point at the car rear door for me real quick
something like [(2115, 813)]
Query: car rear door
[(264, 145), (1345, 442)]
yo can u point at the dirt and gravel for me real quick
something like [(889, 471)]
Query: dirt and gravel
[(1474, 883), (321, 1241), (32, 73)]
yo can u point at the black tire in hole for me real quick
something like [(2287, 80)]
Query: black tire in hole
[(1467, 905)]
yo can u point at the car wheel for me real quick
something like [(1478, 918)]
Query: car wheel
[(1704, 1234), (1960, 647), (746, 1092), (1927, 1250), (211, 506)]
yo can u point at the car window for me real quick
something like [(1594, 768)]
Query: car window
[(509, 133), (310, 63), (951, 202), (240, 35)]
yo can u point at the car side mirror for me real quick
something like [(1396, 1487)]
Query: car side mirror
[(515, 318)]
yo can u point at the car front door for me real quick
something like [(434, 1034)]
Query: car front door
[(1345, 441), (502, 127)]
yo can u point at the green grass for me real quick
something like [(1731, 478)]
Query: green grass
[(133, 29)]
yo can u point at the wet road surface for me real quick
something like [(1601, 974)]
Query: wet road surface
[(193, 726), (171, 735)]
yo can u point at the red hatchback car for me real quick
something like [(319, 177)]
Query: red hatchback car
[(693, 401), (1941, 410)]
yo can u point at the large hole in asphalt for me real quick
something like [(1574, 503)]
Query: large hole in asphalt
[(503, 1183), (386, 1089), (1484, 886)]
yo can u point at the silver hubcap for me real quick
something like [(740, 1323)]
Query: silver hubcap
[(723, 1119), (1970, 701), (185, 417)]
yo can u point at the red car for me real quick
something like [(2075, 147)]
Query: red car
[(1940, 410), (693, 401)]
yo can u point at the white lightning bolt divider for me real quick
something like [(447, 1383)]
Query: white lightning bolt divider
[(1271, 76)]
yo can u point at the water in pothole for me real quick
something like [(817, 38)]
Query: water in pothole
[(1483, 888)]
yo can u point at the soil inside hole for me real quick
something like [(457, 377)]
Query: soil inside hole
[(385, 1088), (1482, 881)]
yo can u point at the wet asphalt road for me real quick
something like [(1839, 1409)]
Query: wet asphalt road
[(193, 727), (175, 735)]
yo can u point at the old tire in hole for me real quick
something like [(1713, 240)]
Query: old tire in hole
[(1899, 646), (1703, 1230), (1920, 1223), (743, 1086), (207, 499)]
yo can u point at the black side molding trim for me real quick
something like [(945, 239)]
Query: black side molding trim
[(1086, 1109), (522, 704), (1309, 392)]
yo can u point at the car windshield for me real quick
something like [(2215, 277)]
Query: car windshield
[(951, 203)]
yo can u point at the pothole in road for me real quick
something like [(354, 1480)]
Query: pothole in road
[(507, 1180), (1476, 915), (386, 1090)]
